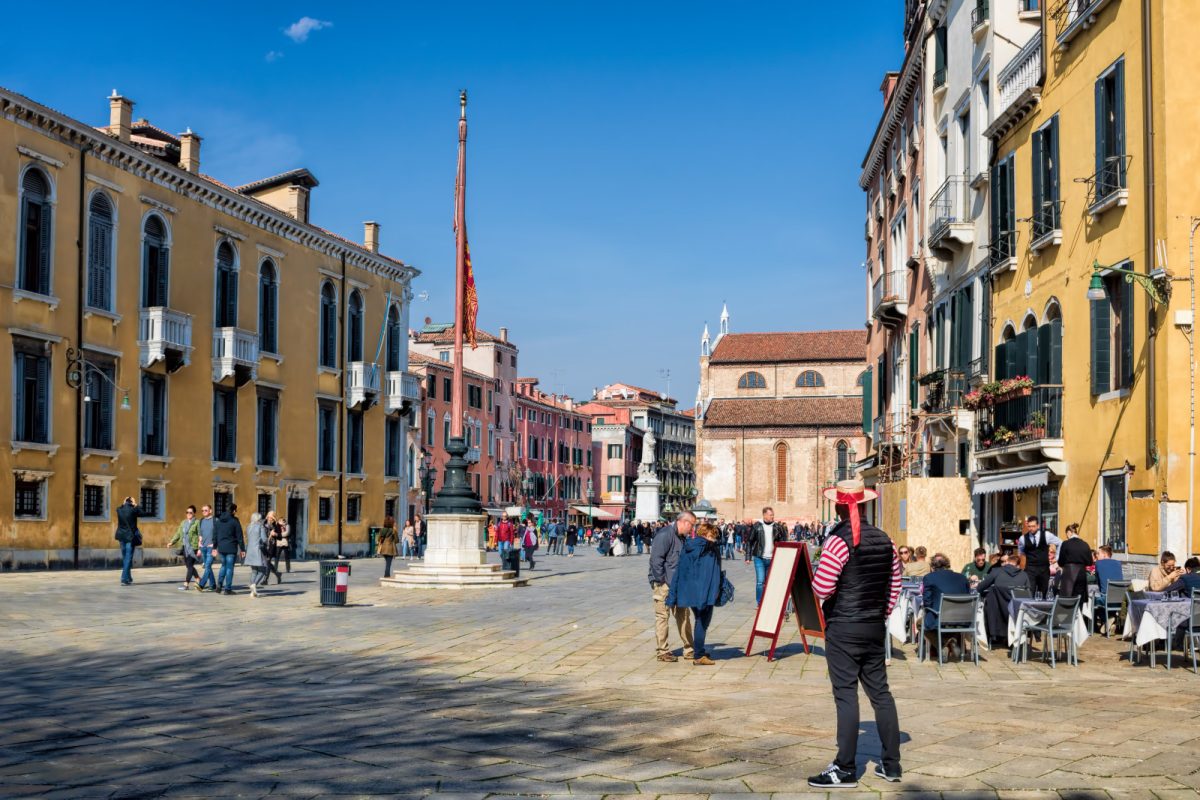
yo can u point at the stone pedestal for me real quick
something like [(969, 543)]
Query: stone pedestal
[(454, 558), (647, 505)]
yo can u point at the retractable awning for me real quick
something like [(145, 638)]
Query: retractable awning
[(595, 512), (1011, 480)]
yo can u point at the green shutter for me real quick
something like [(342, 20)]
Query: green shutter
[(1031, 353), (1127, 333), (1101, 357), (1036, 175), (968, 327), (867, 402), (1013, 357), (999, 362), (1010, 207), (1045, 336), (914, 363), (1055, 377), (1118, 111), (1052, 191)]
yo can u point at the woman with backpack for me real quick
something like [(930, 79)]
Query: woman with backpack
[(529, 541)]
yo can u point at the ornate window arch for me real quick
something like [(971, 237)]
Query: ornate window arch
[(752, 380), (101, 251), (810, 379), (394, 342), (36, 231), (156, 261), (354, 327), (780, 482), (268, 307), (843, 460), (328, 343), (227, 286)]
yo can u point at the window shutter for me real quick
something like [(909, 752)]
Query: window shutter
[(968, 327), (1013, 357), (104, 436), (47, 217), (1101, 356), (1118, 114), (1030, 368), (1127, 333), (144, 417), (1045, 337), (1000, 362), (162, 275), (230, 310), (1052, 191), (230, 426), (914, 362), (1036, 175), (99, 266), (41, 427), (19, 363), (1010, 207), (994, 211), (1055, 376), (1101, 131)]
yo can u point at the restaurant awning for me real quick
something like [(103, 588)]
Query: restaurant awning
[(494, 512), (1011, 480), (595, 512)]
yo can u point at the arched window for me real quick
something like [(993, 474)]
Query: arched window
[(843, 461), (781, 472), (268, 308), (156, 262), (1030, 322), (752, 380), (393, 339), (354, 332), (810, 379), (227, 285), (37, 217), (862, 376), (100, 252), (328, 326)]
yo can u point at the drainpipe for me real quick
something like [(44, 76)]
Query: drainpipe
[(80, 289), (341, 462), (1191, 333), (1148, 161)]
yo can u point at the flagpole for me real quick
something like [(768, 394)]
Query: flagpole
[(457, 495)]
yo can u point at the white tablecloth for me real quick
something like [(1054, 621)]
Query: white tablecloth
[(980, 626), (1033, 613), (1148, 629)]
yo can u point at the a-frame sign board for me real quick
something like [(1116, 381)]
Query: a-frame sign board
[(791, 575)]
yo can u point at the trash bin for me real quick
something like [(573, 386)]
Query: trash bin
[(512, 561), (335, 582), (373, 542)]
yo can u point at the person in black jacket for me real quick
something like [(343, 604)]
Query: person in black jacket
[(997, 592), (1074, 557), (760, 546), (231, 544), (129, 536)]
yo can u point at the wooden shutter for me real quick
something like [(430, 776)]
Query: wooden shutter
[(267, 310), (1013, 357), (99, 257), (1056, 376), (1010, 207), (230, 426), (104, 436), (19, 364), (994, 211), (968, 327), (1036, 176), (1101, 339), (914, 363), (46, 219), (868, 399), (41, 422), (1052, 192), (1118, 113), (1030, 368), (1101, 132), (393, 342), (1126, 333), (939, 357), (1001, 364), (162, 274), (1045, 336)]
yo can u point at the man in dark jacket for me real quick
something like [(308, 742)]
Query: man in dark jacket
[(664, 558), (997, 592), (760, 546), (858, 583), (940, 580), (231, 544), (129, 537)]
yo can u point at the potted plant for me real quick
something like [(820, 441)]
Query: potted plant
[(973, 400), (1037, 425), (1003, 436)]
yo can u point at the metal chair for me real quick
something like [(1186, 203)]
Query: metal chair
[(1059, 623), (1130, 596), (1111, 603), (956, 613), (1192, 630)]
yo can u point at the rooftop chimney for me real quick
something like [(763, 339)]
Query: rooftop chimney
[(371, 236), (120, 116), (503, 334), (189, 151)]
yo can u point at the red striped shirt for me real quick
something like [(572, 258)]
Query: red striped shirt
[(834, 555)]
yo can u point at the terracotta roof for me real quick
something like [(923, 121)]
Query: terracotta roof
[(430, 335), (416, 359), (298, 176), (793, 346), (781, 412)]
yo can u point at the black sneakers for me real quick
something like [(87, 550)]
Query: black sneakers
[(834, 778), (890, 777)]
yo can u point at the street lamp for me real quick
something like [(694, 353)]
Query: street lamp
[(427, 476), (1156, 284)]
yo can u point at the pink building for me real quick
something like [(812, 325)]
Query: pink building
[(617, 449), (554, 451)]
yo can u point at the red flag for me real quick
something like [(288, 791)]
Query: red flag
[(470, 297)]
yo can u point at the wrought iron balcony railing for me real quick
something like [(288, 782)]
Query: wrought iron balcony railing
[(1107, 185), (1024, 416), (979, 15)]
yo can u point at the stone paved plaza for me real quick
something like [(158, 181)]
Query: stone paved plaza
[(550, 690)]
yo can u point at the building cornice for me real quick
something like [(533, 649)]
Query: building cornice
[(25, 112), (906, 85), (1016, 113)]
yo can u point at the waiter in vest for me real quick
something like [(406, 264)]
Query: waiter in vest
[(1035, 546), (858, 584)]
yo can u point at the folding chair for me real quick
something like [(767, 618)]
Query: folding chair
[(1059, 623), (1111, 602)]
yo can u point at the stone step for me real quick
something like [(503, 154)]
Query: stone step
[(446, 580)]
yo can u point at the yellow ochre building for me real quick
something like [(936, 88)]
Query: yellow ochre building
[(181, 341), (1094, 197)]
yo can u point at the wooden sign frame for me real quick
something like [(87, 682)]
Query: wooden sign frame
[(786, 580)]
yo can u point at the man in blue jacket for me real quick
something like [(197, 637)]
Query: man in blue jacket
[(231, 544), (941, 580), (664, 558)]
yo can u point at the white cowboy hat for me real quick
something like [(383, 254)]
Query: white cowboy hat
[(854, 489)]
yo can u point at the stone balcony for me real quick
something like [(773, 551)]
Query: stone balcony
[(164, 335), (362, 384), (403, 392), (234, 353)]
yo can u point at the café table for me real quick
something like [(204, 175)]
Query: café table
[(1154, 618), (1025, 611)]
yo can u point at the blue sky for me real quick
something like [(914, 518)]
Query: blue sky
[(630, 165)]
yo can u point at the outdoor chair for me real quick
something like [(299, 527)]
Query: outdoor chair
[(1022, 593), (1111, 602), (956, 613), (1059, 623), (1191, 631)]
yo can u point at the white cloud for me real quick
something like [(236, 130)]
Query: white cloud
[(299, 30), (272, 56)]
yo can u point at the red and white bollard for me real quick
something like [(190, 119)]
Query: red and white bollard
[(343, 578)]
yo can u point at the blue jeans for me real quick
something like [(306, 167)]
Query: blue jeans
[(761, 567), (225, 576), (126, 562), (206, 578), (503, 547), (639, 542), (703, 618), (570, 549)]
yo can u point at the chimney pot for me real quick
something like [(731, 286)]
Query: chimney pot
[(371, 236), (120, 117), (189, 152), (503, 334)]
